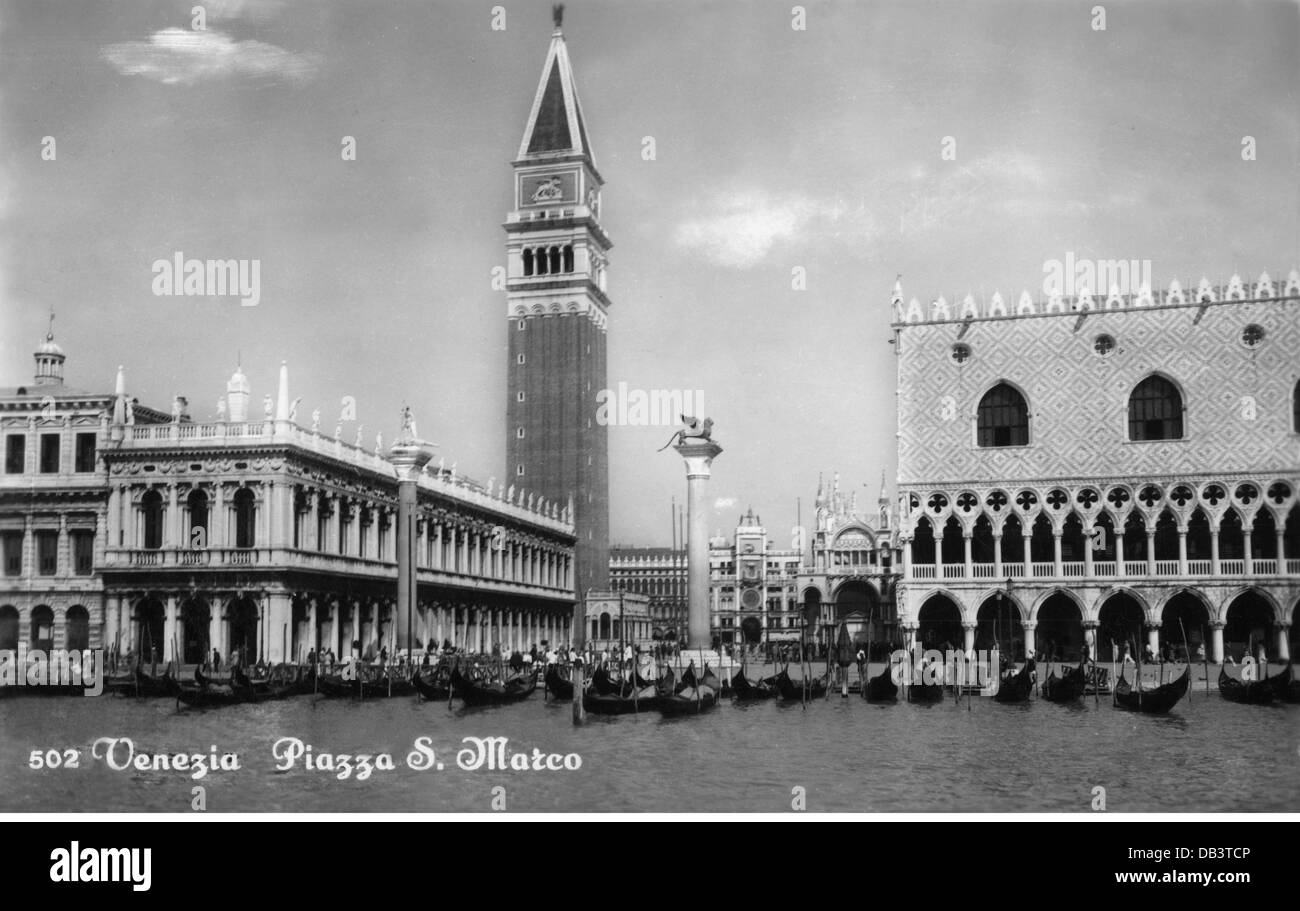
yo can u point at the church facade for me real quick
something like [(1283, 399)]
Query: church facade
[(1096, 472)]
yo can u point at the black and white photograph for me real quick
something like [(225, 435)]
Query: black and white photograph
[(866, 409)]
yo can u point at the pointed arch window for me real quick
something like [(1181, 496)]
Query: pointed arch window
[(1295, 407), (1155, 411), (1002, 418)]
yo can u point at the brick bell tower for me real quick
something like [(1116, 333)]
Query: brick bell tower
[(557, 315)]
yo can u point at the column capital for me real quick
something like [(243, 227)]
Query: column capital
[(969, 624), (1029, 625), (699, 456)]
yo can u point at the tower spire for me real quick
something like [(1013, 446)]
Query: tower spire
[(556, 129)]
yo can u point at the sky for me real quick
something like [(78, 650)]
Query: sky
[(818, 149)]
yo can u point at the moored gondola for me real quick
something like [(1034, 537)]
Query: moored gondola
[(147, 685), (554, 684), (693, 697), (1247, 692), (745, 690), (881, 688), (1017, 687), (1285, 687), (1151, 702), (1068, 687), (434, 688), (792, 690), (473, 692)]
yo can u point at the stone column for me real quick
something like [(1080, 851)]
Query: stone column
[(1281, 549), (1182, 551), (1089, 570), (966, 545), (907, 558), (1031, 646), (968, 631), (1247, 556), (1151, 552), (169, 632), (1283, 640), (997, 555), (409, 458), (1153, 637), (274, 633), (699, 456), (356, 629), (1090, 639), (1057, 569), (1216, 642), (1120, 570), (1214, 551), (1027, 535), (313, 641)]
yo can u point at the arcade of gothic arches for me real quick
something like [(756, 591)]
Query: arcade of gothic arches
[(1054, 623), (1221, 525)]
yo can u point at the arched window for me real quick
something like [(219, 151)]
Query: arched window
[(245, 514), (568, 257), (8, 628), (1003, 418), (541, 260), (76, 628), (198, 504), (152, 507), (42, 628), (555, 260), (528, 261), (1155, 411)]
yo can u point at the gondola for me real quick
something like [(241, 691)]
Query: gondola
[(1151, 702), (923, 692), (386, 682), (555, 684), (1248, 692), (792, 691), (645, 699), (743, 690), (435, 688), (881, 688), (472, 692), (692, 698), (1018, 686), (147, 685), (1285, 687), (1068, 687)]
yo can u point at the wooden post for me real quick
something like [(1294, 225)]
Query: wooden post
[(579, 685)]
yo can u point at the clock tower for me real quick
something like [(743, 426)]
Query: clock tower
[(557, 316)]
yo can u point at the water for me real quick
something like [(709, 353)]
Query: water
[(847, 755)]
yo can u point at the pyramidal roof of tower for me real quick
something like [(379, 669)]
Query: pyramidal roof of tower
[(555, 123)]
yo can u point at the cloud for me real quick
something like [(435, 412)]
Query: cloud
[(745, 226), (724, 502), (255, 10), (744, 229), (176, 56)]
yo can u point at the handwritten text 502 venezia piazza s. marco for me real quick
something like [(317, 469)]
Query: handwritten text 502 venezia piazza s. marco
[(490, 754)]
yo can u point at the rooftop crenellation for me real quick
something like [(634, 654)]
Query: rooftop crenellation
[(1203, 294)]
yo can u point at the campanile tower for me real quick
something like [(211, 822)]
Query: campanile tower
[(557, 314)]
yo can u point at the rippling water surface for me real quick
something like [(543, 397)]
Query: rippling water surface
[(848, 756)]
